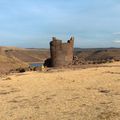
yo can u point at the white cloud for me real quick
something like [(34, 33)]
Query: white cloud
[(116, 33), (116, 41)]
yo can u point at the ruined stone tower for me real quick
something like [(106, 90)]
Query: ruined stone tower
[(61, 53)]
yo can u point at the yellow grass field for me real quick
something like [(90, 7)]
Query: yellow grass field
[(81, 94)]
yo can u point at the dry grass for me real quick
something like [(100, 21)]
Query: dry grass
[(83, 94), (6, 64), (12, 57)]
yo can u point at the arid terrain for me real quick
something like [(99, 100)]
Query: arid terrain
[(62, 94), (13, 58), (96, 55)]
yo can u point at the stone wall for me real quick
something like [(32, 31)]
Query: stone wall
[(61, 53)]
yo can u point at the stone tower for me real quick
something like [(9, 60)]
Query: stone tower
[(61, 53)]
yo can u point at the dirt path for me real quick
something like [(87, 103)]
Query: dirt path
[(87, 94)]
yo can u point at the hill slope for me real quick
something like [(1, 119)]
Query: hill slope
[(81, 94), (97, 55), (11, 57)]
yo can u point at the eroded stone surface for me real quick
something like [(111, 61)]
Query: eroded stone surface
[(61, 53)]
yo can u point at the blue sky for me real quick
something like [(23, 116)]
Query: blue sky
[(32, 23)]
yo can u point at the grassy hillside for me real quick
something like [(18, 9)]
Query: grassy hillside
[(6, 63), (11, 57), (97, 55)]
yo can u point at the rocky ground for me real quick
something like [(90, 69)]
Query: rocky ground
[(96, 56), (62, 94)]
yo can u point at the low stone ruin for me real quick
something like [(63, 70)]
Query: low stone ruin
[(61, 53)]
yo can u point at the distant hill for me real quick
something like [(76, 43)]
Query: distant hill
[(97, 55), (12, 57)]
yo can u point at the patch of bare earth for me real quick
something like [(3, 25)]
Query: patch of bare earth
[(82, 94)]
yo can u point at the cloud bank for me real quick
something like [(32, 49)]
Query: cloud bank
[(117, 41)]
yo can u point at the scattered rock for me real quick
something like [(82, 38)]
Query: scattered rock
[(104, 91), (21, 70)]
